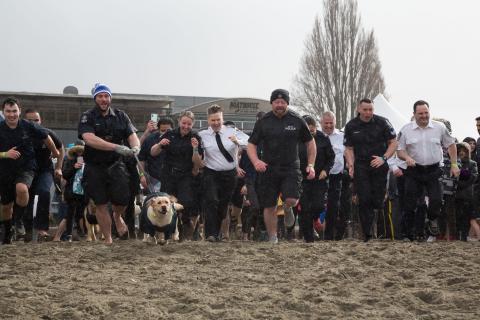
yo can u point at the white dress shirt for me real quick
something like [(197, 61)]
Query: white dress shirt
[(336, 139), (424, 145), (212, 156)]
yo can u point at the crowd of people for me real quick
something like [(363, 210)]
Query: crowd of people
[(290, 170)]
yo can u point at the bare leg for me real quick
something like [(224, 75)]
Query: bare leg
[(270, 216), (7, 211), (22, 194), (118, 212), (236, 216), (60, 230), (104, 221), (474, 229)]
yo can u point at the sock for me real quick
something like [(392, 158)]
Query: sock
[(20, 214), (7, 238)]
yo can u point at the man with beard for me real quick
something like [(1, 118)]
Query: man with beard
[(420, 145), (280, 131), (106, 131)]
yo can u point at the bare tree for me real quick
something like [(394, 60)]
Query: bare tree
[(340, 65)]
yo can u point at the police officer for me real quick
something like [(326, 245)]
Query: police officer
[(17, 161), (420, 145), (221, 146), (42, 183), (183, 157), (369, 141), (105, 131), (280, 131), (312, 201)]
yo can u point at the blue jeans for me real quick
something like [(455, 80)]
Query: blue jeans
[(41, 186)]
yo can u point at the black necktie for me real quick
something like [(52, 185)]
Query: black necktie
[(225, 153)]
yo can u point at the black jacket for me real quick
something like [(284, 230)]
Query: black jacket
[(325, 155)]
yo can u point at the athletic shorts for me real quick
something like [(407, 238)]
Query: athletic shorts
[(107, 183), (8, 184), (286, 181)]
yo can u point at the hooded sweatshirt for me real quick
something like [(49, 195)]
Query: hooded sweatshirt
[(468, 175)]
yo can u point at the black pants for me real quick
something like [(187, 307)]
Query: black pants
[(335, 219), (463, 213), (218, 188), (370, 186), (76, 205), (346, 200), (418, 179), (312, 203)]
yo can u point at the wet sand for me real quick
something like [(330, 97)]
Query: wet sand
[(240, 280)]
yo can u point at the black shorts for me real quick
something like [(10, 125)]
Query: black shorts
[(278, 180), (8, 184), (105, 184)]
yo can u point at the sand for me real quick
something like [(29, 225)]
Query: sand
[(240, 280)]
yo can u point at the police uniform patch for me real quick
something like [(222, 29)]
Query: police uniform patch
[(84, 119)]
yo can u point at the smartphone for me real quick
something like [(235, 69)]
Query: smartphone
[(154, 117), (80, 159)]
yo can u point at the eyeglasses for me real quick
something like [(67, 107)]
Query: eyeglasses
[(34, 120)]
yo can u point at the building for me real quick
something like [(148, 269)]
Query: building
[(61, 112), (242, 111)]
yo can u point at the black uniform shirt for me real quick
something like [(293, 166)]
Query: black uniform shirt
[(153, 165), (368, 138), (325, 155), (178, 154), (21, 137), (476, 153), (43, 154), (280, 138), (114, 127)]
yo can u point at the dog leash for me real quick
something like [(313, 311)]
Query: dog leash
[(147, 178)]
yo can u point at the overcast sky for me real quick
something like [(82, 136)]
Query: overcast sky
[(235, 48)]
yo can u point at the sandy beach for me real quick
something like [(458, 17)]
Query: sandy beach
[(240, 280)]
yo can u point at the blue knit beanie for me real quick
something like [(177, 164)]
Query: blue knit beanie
[(101, 88)]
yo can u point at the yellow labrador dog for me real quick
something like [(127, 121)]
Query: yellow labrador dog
[(159, 219)]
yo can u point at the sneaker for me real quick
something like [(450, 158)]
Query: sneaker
[(433, 227), (472, 239), (431, 239), (289, 217), (273, 240), (20, 231)]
